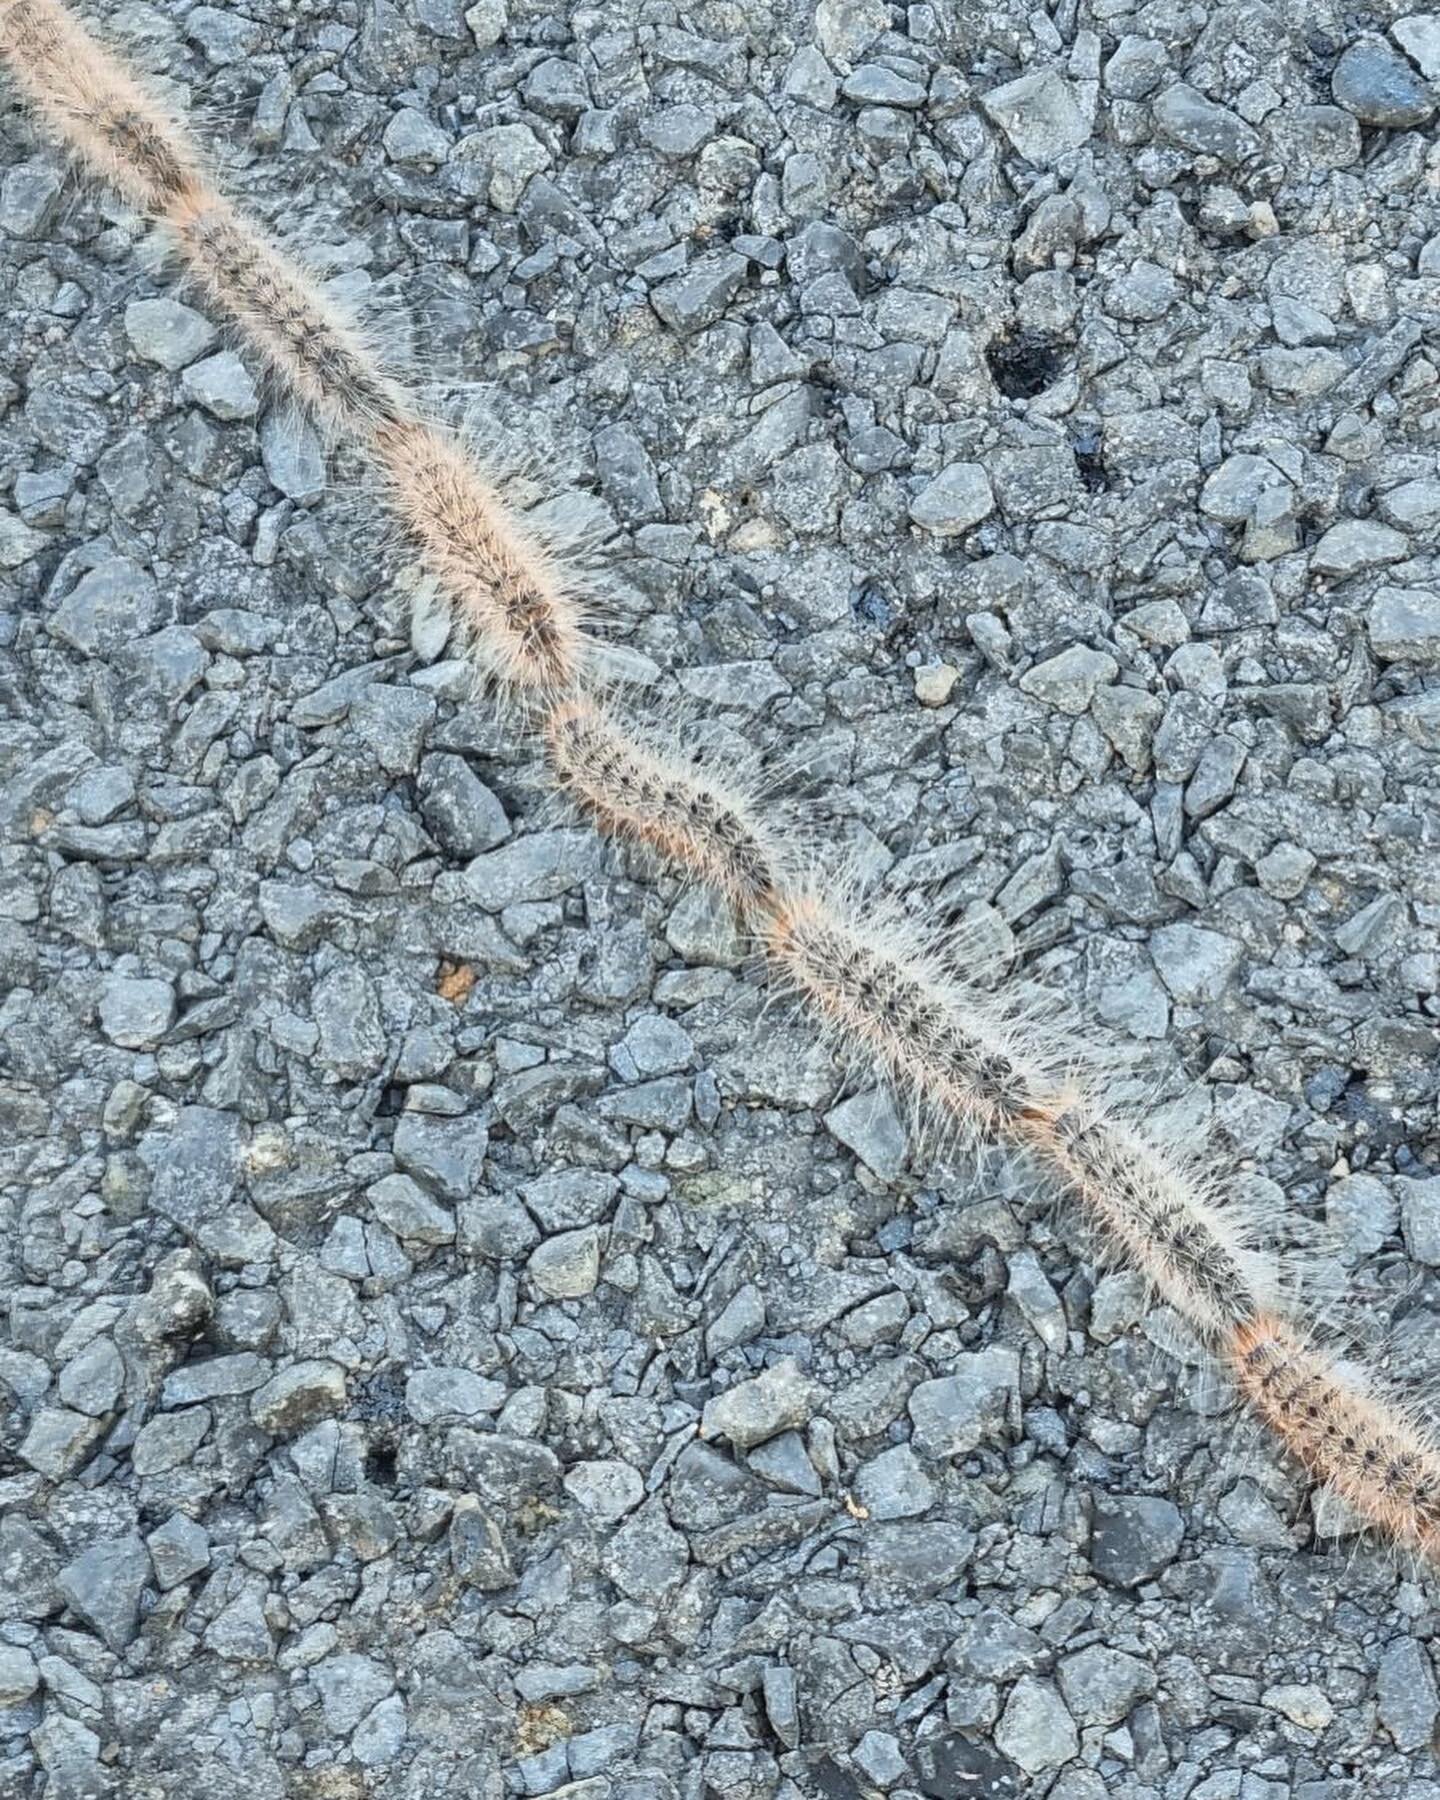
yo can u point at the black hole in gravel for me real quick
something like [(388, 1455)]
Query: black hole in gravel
[(1025, 365), (1090, 460), (871, 607), (380, 1465)]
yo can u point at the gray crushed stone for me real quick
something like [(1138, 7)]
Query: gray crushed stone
[(459, 1340)]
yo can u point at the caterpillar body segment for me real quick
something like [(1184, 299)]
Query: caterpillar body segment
[(639, 794), (894, 1013), (319, 357), (1154, 1213), (1370, 1451), (91, 101), (513, 600)]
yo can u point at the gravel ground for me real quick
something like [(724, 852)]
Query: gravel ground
[(1026, 423)]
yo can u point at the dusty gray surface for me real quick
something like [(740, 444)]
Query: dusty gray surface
[(1052, 467)]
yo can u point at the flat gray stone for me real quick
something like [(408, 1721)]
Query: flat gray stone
[(978, 1402), (689, 302), (1414, 506), (136, 1011), (293, 455), (627, 475), (213, 1377), (957, 498), (1143, 294), (992, 1646), (403, 1206), (487, 20), (783, 1463), (346, 1009), (1196, 965), (1102, 1686), (108, 608), (893, 1485), (566, 1266), (1187, 118), (869, 1125), (19, 1675), (59, 1441), (169, 1440), (1418, 35), (1355, 545), (93, 1378), (462, 813), (540, 866), (223, 386), (646, 1558), (166, 332), (1404, 625), (1405, 1694), (103, 1586), (781, 1398), (1030, 483), (1376, 83), (570, 1198), (1233, 491), (1362, 1213), (1136, 67), (411, 140), (30, 198), (394, 721), (19, 542), (1284, 871), (1133, 1538), (451, 1396), (380, 1735), (512, 155), (447, 1154), (1068, 681), (478, 1554), (299, 1396), (607, 1489), (1036, 1730), (557, 89), (879, 1755), (194, 1166), (1420, 1217), (1040, 114), (678, 131), (872, 84), (350, 1685), (846, 27)]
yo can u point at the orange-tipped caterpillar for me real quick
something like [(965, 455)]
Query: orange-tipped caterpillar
[(281, 311), (91, 101), (512, 600), (1155, 1212), (1369, 1450)]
